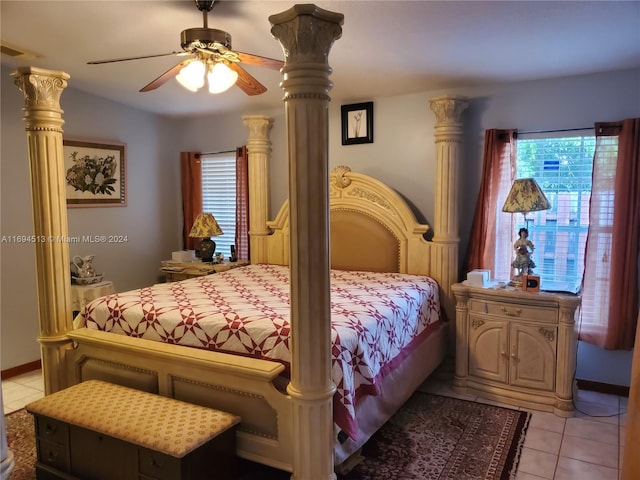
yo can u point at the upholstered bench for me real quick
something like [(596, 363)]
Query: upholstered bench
[(99, 430)]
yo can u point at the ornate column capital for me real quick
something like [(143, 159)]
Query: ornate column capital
[(448, 110), (258, 125), (306, 33), (42, 90)]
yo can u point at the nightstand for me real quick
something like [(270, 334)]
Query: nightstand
[(83, 294), (176, 271), (517, 347)]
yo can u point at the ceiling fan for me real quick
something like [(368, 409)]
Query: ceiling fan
[(211, 56)]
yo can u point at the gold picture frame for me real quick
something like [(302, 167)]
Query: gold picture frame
[(95, 173)]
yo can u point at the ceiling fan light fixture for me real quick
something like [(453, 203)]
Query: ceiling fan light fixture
[(191, 77), (221, 78)]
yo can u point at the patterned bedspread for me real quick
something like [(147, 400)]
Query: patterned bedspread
[(376, 318)]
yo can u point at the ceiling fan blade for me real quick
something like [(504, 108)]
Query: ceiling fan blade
[(247, 83), (166, 76), (98, 62), (251, 59)]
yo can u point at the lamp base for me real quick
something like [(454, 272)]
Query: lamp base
[(207, 249), (516, 281)]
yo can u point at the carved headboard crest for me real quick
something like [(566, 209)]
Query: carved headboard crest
[(339, 176)]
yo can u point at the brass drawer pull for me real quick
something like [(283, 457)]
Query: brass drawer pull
[(511, 313)]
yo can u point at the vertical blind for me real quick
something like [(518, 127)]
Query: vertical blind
[(219, 196)]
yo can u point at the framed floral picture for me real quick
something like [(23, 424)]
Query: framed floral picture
[(357, 123), (94, 174)]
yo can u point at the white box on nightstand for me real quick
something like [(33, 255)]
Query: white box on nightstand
[(184, 256), (479, 278)]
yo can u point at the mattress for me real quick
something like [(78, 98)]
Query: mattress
[(376, 320)]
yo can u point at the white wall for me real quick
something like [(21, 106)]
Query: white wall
[(402, 155), (151, 220)]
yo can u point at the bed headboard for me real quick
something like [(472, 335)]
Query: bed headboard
[(372, 228)]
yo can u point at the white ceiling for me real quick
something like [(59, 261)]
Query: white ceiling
[(387, 47)]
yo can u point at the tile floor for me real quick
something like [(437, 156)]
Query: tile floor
[(587, 446)]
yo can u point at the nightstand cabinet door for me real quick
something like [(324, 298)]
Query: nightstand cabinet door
[(488, 347), (532, 356)]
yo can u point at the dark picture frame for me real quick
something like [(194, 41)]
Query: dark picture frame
[(357, 123), (95, 173)]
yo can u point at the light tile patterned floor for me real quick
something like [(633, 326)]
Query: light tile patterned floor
[(588, 446)]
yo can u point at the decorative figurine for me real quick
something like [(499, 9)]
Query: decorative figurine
[(524, 248)]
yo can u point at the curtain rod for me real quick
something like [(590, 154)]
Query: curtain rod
[(555, 131), (215, 153)]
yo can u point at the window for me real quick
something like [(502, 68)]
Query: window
[(219, 196), (562, 166)]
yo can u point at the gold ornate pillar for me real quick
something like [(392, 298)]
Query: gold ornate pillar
[(43, 122), (259, 149), (306, 34)]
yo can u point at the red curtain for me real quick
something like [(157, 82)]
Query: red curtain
[(242, 203), (191, 177), (613, 242), (489, 224)]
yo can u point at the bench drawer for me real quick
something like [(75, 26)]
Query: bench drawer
[(53, 454), (52, 430), (157, 465)]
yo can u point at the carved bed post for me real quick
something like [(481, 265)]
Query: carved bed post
[(448, 138), (306, 34), (259, 149), (43, 119)]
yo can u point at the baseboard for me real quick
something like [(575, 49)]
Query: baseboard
[(619, 390), (20, 369)]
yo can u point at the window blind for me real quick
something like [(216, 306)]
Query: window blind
[(219, 196)]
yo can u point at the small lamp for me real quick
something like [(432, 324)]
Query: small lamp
[(205, 227), (525, 196)]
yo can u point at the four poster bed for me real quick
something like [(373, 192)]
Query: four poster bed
[(388, 334), (285, 400)]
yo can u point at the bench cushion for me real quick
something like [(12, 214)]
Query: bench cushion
[(159, 423)]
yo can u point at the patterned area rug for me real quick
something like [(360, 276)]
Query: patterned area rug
[(431, 437)]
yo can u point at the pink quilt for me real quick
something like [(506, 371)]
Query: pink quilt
[(376, 319)]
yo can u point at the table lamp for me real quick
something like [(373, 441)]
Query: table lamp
[(205, 227), (525, 196)]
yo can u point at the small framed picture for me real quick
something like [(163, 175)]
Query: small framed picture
[(531, 283), (357, 123), (94, 174)]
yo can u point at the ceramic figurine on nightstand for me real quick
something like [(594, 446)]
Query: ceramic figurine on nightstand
[(523, 263)]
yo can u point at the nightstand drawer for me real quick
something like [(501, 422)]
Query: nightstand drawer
[(514, 310)]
